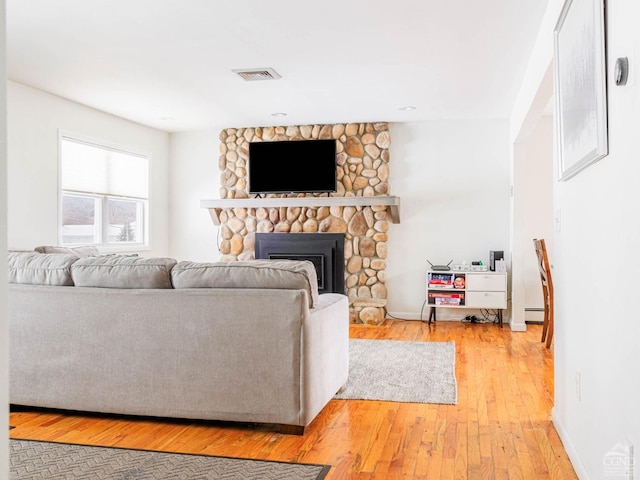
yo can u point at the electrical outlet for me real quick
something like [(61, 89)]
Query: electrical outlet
[(578, 387)]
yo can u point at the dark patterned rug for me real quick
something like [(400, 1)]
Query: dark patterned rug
[(32, 460)]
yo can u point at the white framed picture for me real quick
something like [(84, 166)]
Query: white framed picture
[(581, 92)]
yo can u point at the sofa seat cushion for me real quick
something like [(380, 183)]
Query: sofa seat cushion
[(86, 251), (41, 269), (276, 274), (123, 272)]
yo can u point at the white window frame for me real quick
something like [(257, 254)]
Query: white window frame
[(103, 204)]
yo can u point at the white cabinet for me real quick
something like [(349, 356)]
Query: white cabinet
[(455, 289)]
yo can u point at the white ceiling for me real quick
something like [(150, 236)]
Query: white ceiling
[(168, 63)]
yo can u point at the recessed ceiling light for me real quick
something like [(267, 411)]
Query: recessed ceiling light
[(407, 108), (166, 119), (278, 114)]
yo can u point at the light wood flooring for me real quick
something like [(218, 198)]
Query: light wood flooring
[(500, 429)]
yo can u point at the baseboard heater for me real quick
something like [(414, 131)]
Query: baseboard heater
[(534, 309)]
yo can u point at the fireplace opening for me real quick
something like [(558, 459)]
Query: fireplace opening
[(324, 250)]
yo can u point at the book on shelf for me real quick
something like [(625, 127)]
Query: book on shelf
[(440, 280), (445, 295), (449, 301)]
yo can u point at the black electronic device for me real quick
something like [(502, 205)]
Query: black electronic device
[(493, 256), (292, 166), (443, 268)]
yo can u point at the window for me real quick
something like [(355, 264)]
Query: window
[(104, 195)]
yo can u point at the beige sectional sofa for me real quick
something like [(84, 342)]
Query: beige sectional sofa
[(243, 341)]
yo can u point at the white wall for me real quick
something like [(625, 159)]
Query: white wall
[(597, 332), (4, 324), (452, 178), (536, 189), (195, 176), (34, 121)]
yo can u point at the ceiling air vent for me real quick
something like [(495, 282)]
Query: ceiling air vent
[(253, 74)]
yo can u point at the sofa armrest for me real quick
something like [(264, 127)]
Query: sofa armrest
[(325, 353)]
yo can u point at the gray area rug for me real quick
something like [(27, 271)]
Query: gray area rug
[(62, 461), (399, 371)]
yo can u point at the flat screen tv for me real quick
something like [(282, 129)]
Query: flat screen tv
[(292, 166)]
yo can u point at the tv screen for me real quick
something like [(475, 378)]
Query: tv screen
[(292, 166)]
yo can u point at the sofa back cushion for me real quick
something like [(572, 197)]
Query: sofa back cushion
[(86, 251), (278, 274), (41, 269), (123, 272)]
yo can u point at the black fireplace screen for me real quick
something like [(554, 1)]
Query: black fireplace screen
[(324, 250)]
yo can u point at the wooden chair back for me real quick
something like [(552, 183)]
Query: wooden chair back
[(547, 289)]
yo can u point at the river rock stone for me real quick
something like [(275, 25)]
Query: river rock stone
[(293, 213), (237, 244), (282, 227), (305, 131), (381, 226), (332, 224), (325, 132), (351, 129), (228, 179), (378, 264), (367, 247), (265, 226), (235, 224), (383, 140), (354, 264), (368, 139), (359, 183), (249, 242), (354, 147), (372, 150), (225, 232), (323, 212), (358, 224), (310, 225), (262, 213), (371, 316), (251, 224), (379, 290), (364, 291)]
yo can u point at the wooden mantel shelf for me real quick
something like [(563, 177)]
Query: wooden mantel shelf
[(215, 206)]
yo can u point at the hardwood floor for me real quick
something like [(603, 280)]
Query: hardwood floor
[(500, 429)]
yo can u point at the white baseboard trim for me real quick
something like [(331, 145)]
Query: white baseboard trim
[(408, 315), (578, 466), (444, 315), (518, 327)]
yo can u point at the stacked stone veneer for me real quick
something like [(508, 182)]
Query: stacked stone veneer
[(363, 170)]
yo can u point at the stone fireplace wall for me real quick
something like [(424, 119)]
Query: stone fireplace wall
[(363, 170)]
